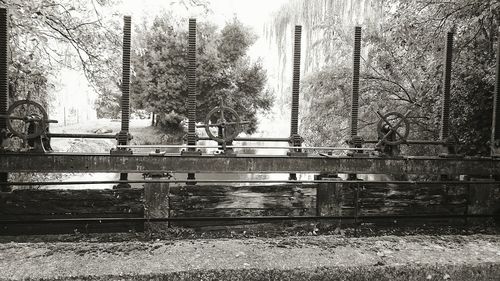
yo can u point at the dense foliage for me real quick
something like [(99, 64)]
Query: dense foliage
[(48, 35), (402, 69), (223, 70)]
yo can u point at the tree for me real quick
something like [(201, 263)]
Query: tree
[(403, 69), (48, 35), (223, 71)]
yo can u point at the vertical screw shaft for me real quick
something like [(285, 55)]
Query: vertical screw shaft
[(296, 81), (192, 82), (125, 106), (495, 134), (355, 81), (4, 83), (123, 136), (445, 101)]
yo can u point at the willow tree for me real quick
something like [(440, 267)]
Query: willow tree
[(327, 29), (402, 69)]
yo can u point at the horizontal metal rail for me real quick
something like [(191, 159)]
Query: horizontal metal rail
[(143, 163), (241, 218), (245, 146), (81, 136), (251, 139), (430, 142), (22, 183)]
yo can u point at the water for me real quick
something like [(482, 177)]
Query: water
[(270, 126)]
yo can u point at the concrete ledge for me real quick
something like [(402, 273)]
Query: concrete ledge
[(450, 257)]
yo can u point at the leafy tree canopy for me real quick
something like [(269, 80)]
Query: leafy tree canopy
[(223, 70), (47, 35), (402, 69)]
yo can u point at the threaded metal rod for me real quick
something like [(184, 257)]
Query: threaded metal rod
[(296, 81), (123, 136), (355, 81), (126, 76), (4, 85), (495, 130), (4, 88), (445, 101), (192, 82)]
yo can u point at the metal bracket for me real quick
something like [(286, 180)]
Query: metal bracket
[(123, 137), (449, 147), (296, 140), (190, 153), (356, 141), (187, 137), (227, 153)]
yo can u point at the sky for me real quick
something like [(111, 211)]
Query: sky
[(253, 13)]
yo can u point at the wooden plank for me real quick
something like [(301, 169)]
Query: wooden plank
[(61, 204), (156, 200), (243, 200), (330, 198), (236, 212), (230, 201), (264, 190), (483, 198)]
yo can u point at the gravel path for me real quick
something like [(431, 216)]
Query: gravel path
[(475, 257)]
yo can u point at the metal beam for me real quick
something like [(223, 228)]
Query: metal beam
[(81, 136), (101, 220), (84, 163)]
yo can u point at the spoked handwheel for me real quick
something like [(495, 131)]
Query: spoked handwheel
[(226, 121), (22, 114), (393, 128)]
